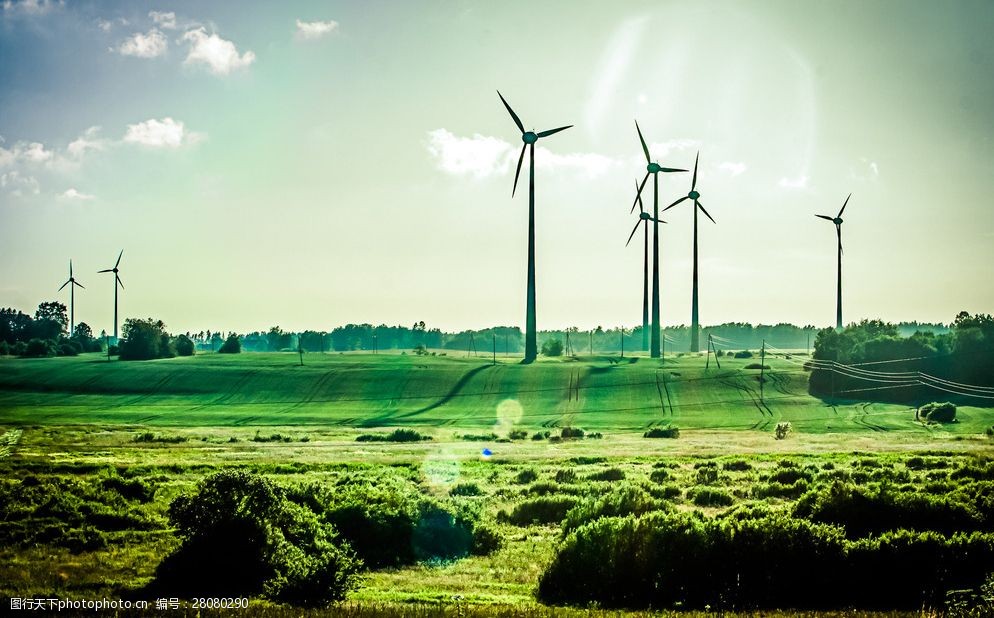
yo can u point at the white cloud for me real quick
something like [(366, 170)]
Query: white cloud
[(144, 45), (17, 183), (661, 150), (801, 182), (73, 194), (483, 156), (219, 55), (165, 20), (165, 133), (732, 167), (33, 152), (874, 169), (310, 30), (105, 25), (479, 155), (32, 7), (89, 140)]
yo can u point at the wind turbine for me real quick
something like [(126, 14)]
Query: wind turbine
[(837, 220), (653, 169), (695, 327), (644, 219), (117, 282), (72, 283), (529, 138)]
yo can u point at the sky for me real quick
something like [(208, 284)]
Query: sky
[(311, 164)]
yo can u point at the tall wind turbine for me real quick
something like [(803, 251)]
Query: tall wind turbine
[(644, 219), (529, 138), (653, 169), (837, 220), (695, 327), (72, 283), (117, 282)]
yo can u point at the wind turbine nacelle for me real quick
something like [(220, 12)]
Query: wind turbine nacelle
[(529, 137), (653, 168), (837, 221), (644, 215), (693, 195)]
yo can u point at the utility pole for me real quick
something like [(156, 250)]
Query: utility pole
[(707, 356), (376, 348), (762, 370)]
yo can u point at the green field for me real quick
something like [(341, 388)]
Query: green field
[(352, 390), (68, 420)]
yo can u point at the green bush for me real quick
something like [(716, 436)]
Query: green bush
[(737, 465), (608, 474), (185, 346), (39, 348), (938, 412), (669, 431), (466, 489), (709, 496), (552, 347), (528, 475), (743, 354), (659, 475), (566, 475), (241, 536), (571, 432), (628, 500), (397, 435), (231, 345), (540, 510)]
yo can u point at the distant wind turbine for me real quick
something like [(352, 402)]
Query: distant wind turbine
[(695, 327), (644, 219), (653, 169), (117, 282), (837, 220), (529, 138), (72, 283)]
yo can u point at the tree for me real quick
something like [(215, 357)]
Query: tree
[(14, 325), (51, 320), (232, 345), (145, 340), (184, 346), (552, 347), (83, 332)]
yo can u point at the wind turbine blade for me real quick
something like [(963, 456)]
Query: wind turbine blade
[(843, 206), (656, 220), (118, 262), (638, 194), (693, 183), (63, 285), (70, 269), (119, 282), (553, 131), (838, 230), (106, 270), (645, 148), (79, 284), (676, 202), (518, 171), (825, 217), (517, 120), (669, 170), (634, 229), (698, 204)]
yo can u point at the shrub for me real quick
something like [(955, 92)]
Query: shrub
[(608, 474), (743, 354), (184, 346), (539, 510), (39, 348), (231, 345), (397, 435), (659, 475), (629, 500), (777, 489), (552, 347), (4, 348), (479, 437), (565, 475), (709, 496), (69, 348), (938, 412), (486, 540), (571, 432), (670, 431), (466, 489), (757, 366), (528, 475), (240, 535), (540, 435), (517, 434), (782, 430), (738, 465), (136, 489), (145, 340)]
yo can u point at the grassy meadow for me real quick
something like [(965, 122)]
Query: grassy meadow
[(127, 438)]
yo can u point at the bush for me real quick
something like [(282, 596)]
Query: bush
[(526, 476), (69, 348), (486, 540), (552, 347), (709, 496), (466, 489), (145, 340), (782, 430), (517, 434), (4, 348), (629, 500), (608, 474), (241, 536), (743, 354), (184, 346), (397, 435), (938, 412), (540, 435), (540, 510), (231, 345), (659, 475), (738, 465), (571, 432), (39, 348), (566, 475), (670, 431)]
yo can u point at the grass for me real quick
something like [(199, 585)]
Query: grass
[(79, 417)]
